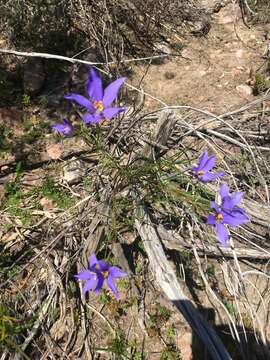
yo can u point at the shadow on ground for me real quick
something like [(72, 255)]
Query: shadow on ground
[(250, 346)]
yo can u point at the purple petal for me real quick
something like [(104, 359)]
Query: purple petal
[(195, 168), (202, 160), (231, 201), (90, 284), (222, 233), (227, 204), (84, 275), (111, 112), (59, 127), (224, 190), (65, 127), (116, 272), (210, 163), (93, 261), (214, 206), (112, 286), (92, 118), (81, 100), (210, 177), (111, 91), (207, 177), (100, 282), (67, 122), (211, 219), (103, 266), (235, 218), (219, 174), (94, 86)]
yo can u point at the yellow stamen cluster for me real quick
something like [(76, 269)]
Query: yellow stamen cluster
[(200, 173), (219, 216), (105, 273), (98, 105)]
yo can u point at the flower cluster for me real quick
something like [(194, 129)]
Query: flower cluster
[(99, 272), (65, 127), (226, 211), (97, 105), (205, 164)]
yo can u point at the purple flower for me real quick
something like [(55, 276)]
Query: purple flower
[(65, 127), (100, 271), (228, 213), (98, 105), (205, 164)]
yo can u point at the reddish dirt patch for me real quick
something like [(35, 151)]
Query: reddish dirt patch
[(211, 67)]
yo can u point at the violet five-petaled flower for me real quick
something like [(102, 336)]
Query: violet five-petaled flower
[(205, 164), (98, 105), (226, 213), (65, 127), (100, 271)]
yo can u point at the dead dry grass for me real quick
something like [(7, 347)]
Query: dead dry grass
[(136, 186)]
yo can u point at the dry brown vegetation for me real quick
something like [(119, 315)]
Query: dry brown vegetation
[(132, 198)]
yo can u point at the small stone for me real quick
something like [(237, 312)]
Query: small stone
[(201, 73), (73, 171), (47, 204), (244, 90), (169, 75)]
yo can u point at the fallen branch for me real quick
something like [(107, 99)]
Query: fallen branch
[(164, 273), (176, 242), (167, 280), (74, 60)]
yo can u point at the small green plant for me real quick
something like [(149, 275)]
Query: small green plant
[(26, 100), (230, 307), (124, 283), (13, 197), (119, 345), (135, 354), (33, 134), (13, 201), (7, 225), (261, 83), (170, 353), (35, 131), (11, 272), (9, 327), (210, 271), (159, 316), (27, 125), (139, 356), (43, 100), (104, 298), (178, 46), (163, 312), (170, 331), (5, 135), (59, 196)]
